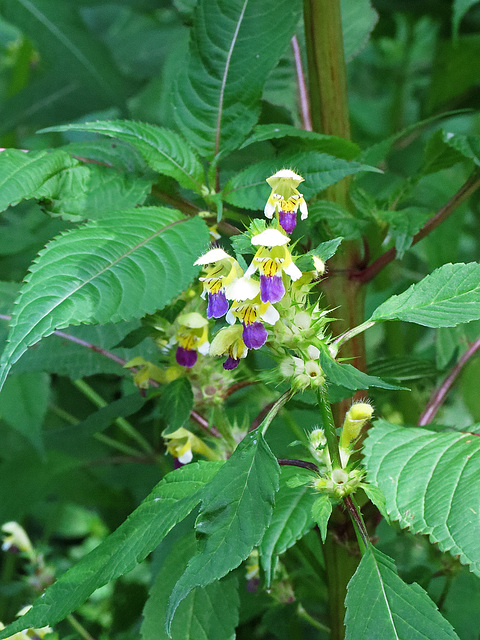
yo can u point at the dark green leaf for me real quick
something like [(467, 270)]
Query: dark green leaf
[(216, 103), (142, 259), (209, 613), (396, 610), (169, 503), (443, 501), (345, 375), (403, 225), (236, 510), (176, 403), (321, 512), (323, 252), (358, 20), (337, 219), (163, 150)]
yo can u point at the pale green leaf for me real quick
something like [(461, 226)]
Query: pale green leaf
[(321, 512), (358, 20), (236, 510), (169, 503), (22, 174), (163, 150), (120, 268), (447, 297), (234, 45), (380, 606), (207, 613), (291, 520), (324, 251), (430, 483), (375, 495), (248, 189)]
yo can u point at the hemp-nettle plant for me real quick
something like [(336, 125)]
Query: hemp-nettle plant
[(239, 317)]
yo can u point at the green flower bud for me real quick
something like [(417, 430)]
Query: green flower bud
[(358, 414)]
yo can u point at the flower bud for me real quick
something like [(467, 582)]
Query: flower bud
[(358, 414)]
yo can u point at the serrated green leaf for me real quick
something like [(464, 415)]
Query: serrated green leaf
[(209, 613), (441, 154), (345, 375), (375, 495), (358, 20), (291, 520), (236, 510), (333, 145), (248, 189), (91, 192), (467, 146), (169, 503), (321, 512), (447, 297), (396, 610), (163, 150), (141, 259), (323, 252), (24, 403), (337, 219), (176, 403), (22, 174), (403, 369), (443, 501), (234, 45), (403, 225)]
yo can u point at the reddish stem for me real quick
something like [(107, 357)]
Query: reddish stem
[(439, 395), (302, 87)]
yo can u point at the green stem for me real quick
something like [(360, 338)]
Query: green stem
[(311, 620), (329, 428), (79, 628), (284, 398), (124, 425), (358, 523)]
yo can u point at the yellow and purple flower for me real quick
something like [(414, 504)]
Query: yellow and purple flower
[(285, 200), (220, 271), (229, 342), (192, 337), (272, 259)]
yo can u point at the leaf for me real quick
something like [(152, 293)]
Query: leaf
[(358, 20), (22, 174), (91, 192), (403, 369), (333, 145), (24, 403), (375, 495), (142, 258), (236, 510), (466, 145), (234, 45), (169, 503), (345, 375), (396, 610), (60, 34), (403, 225), (176, 404), (447, 297), (210, 612), (443, 501), (460, 8), (441, 152), (323, 252), (291, 520), (337, 219), (163, 150), (248, 189), (321, 512)]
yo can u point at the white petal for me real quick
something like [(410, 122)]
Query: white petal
[(186, 457), (313, 352), (269, 210), (293, 271), (242, 289), (270, 238), (303, 210), (288, 173), (250, 271), (204, 348), (271, 315), (213, 256), (230, 318)]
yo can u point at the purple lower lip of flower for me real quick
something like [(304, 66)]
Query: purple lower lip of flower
[(288, 220), (217, 305), (254, 335), (230, 363), (271, 288), (186, 357)]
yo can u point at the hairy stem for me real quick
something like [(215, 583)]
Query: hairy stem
[(329, 428), (284, 398), (439, 395)]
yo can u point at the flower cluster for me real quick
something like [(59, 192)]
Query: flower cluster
[(249, 297)]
